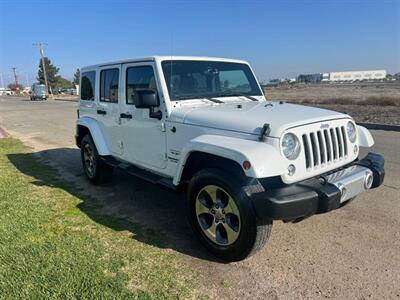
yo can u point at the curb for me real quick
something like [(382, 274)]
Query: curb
[(377, 126), (67, 99)]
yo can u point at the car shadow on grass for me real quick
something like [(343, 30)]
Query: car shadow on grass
[(153, 214)]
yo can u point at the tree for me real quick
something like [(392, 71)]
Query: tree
[(15, 87), (51, 71), (77, 76), (62, 83)]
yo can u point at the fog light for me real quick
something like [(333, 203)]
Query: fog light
[(291, 169), (368, 181), (355, 149)]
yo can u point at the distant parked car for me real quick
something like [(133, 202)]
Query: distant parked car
[(38, 92), (5, 93)]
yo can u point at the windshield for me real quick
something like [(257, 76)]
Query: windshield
[(207, 79), (40, 89)]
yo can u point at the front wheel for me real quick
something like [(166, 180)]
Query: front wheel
[(96, 170), (222, 216)]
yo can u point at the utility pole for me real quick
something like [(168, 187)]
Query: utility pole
[(40, 46), (15, 76)]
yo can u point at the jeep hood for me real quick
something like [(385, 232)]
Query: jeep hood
[(249, 117)]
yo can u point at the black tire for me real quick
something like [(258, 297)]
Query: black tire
[(100, 171), (253, 232)]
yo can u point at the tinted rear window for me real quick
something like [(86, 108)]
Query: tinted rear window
[(109, 85), (88, 85)]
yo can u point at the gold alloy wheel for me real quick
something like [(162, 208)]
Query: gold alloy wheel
[(218, 215)]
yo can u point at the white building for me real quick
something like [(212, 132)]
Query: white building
[(355, 75), (325, 76)]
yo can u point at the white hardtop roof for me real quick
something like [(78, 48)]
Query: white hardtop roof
[(161, 58)]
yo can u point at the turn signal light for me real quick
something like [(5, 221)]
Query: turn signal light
[(246, 165)]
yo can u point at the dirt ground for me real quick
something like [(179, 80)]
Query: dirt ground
[(350, 96), (367, 113), (353, 92)]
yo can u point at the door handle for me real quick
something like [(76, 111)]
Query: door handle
[(125, 116), (101, 112)]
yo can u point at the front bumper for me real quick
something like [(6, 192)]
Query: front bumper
[(320, 194)]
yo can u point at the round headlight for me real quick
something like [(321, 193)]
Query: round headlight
[(351, 131), (290, 146)]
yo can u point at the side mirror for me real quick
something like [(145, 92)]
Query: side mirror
[(148, 99)]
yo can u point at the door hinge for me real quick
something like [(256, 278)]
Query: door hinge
[(163, 127)]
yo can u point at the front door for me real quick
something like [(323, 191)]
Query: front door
[(144, 137)]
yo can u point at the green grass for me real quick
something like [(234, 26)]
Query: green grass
[(51, 249)]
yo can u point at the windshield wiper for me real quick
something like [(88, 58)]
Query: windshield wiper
[(250, 97), (236, 95), (214, 100), (199, 97)]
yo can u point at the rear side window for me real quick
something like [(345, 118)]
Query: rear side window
[(109, 85), (88, 85), (139, 78)]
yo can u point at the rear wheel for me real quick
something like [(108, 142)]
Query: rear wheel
[(96, 170), (222, 216)]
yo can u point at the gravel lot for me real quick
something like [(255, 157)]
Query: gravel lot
[(351, 253), (317, 94), (367, 113), (353, 92)]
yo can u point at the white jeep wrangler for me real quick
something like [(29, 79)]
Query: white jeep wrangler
[(204, 124)]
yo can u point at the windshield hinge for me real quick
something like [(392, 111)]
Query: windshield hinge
[(264, 132)]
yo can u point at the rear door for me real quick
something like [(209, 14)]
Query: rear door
[(144, 137), (108, 107)]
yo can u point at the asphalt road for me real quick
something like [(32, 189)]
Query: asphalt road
[(350, 253)]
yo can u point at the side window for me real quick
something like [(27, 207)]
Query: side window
[(88, 85), (109, 85), (139, 78)]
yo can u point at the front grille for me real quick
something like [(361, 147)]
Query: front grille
[(323, 147)]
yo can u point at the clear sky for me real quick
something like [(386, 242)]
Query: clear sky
[(279, 38)]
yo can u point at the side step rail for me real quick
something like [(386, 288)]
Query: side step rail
[(140, 173)]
